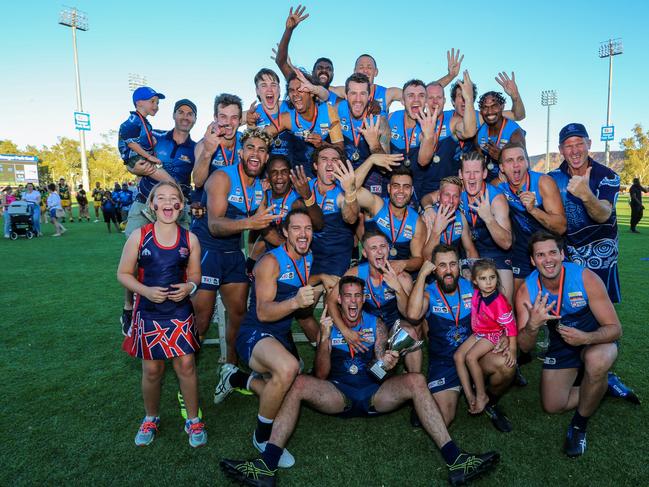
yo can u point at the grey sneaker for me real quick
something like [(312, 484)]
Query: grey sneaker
[(223, 387)]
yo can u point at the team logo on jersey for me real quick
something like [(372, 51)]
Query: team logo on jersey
[(577, 299), (437, 383), (146, 253), (395, 134), (440, 309), (407, 231), (287, 276), (383, 222), (328, 205), (183, 252)]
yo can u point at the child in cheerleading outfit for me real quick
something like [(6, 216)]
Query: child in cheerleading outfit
[(166, 260), (491, 318)]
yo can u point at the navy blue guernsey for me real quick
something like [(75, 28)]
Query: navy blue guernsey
[(402, 140), (161, 266), (398, 232), (221, 158), (505, 132), (177, 160), (281, 144), (381, 300), (334, 243), (591, 244), (243, 201), (482, 239), (446, 328), (378, 94), (357, 148), (301, 128), (575, 311), (292, 276), (348, 367), (452, 234)]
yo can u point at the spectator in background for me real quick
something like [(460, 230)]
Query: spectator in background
[(43, 191), (8, 197), (33, 196), (55, 209), (637, 208), (125, 202), (82, 200), (116, 197), (97, 194), (66, 199), (109, 210)]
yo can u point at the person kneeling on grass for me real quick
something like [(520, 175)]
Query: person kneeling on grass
[(344, 387), (491, 318), (166, 259)]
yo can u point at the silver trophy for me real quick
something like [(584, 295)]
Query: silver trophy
[(399, 341)]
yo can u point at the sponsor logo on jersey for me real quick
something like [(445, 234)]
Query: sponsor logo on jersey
[(287, 276), (235, 198), (210, 280), (440, 309), (338, 341), (383, 222), (437, 383), (577, 299), (183, 251)]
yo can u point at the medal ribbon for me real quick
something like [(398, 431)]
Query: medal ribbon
[(562, 280), (368, 281), (527, 182), (303, 279), (270, 117), (357, 139), (146, 130), (456, 317), (225, 157), (317, 192), (471, 199), (312, 122), (449, 240), (439, 131), (403, 222), (281, 206), (244, 189), (408, 140)]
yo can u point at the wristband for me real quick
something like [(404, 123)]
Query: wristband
[(352, 199), (310, 201), (195, 288)]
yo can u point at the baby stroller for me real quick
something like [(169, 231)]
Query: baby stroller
[(22, 220)]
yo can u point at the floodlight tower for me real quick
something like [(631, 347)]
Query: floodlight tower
[(608, 49), (548, 98), (76, 20)]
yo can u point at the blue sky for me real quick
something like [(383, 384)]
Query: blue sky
[(198, 49)]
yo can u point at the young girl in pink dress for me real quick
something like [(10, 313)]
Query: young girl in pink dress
[(491, 318)]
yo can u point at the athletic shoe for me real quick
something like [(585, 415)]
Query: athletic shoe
[(617, 388), (575, 444), (125, 320), (56, 235), (183, 409), (285, 461), (253, 472), (519, 379), (243, 392), (498, 419), (96, 221), (196, 432), (147, 431), (223, 387), (469, 466)]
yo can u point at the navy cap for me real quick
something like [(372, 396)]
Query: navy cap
[(572, 130), (146, 93), (185, 102)]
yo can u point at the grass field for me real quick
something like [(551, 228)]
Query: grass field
[(71, 401)]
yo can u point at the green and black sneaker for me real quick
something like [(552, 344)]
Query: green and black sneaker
[(249, 472), (183, 409), (469, 466)]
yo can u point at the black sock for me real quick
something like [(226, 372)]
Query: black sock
[(493, 399), (450, 452), (250, 264), (579, 421), (264, 428), (239, 379), (271, 455)]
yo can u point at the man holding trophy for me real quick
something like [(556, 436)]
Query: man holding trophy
[(344, 385)]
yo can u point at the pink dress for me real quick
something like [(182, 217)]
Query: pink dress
[(491, 317)]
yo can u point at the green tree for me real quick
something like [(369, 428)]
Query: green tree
[(636, 156)]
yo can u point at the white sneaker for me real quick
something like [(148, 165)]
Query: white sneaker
[(285, 461), (223, 387), (56, 235)]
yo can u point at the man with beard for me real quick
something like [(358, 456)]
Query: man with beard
[(234, 198), (385, 294), (284, 283), (363, 133), (572, 302), (486, 212), (220, 146), (344, 387), (534, 203), (175, 149), (496, 131), (446, 305), (446, 222), (309, 121), (589, 193)]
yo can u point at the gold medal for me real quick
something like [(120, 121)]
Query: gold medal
[(278, 143), (393, 251), (407, 162)]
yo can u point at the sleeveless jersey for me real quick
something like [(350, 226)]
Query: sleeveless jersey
[(242, 203), (452, 234), (288, 284), (64, 192), (381, 300), (403, 238), (378, 94), (444, 335), (503, 136), (352, 368), (301, 128), (281, 144), (336, 239), (484, 242), (574, 311), (400, 139), (161, 266)]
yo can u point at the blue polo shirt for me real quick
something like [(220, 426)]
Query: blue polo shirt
[(177, 159), (132, 130)]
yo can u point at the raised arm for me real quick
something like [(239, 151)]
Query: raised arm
[(347, 201), (293, 20), (454, 63), (301, 186), (553, 216), (598, 210), (466, 128), (384, 161), (203, 153), (496, 218), (418, 299), (322, 365), (511, 88)]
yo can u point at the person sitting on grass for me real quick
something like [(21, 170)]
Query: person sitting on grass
[(491, 318), (166, 259)]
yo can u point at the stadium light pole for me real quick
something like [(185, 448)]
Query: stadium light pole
[(76, 20), (548, 98), (135, 81), (608, 49)]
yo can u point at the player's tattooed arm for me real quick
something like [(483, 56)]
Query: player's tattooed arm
[(381, 339)]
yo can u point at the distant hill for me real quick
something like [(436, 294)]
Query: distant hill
[(537, 163)]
